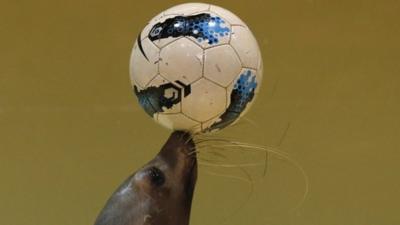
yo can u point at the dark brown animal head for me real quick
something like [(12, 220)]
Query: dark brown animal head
[(160, 193)]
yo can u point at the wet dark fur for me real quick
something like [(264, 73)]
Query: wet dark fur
[(160, 193)]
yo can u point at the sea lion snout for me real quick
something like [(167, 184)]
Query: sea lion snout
[(177, 159), (161, 192), (179, 142), (174, 165)]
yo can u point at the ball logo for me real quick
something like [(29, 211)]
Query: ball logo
[(155, 32), (158, 99)]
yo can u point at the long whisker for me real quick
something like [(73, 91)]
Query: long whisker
[(236, 145), (265, 164), (250, 121), (193, 152), (279, 154), (217, 154), (249, 194), (199, 141), (190, 138), (306, 185), (233, 143), (226, 165), (227, 176), (250, 147)]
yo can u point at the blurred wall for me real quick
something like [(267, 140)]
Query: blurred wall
[(71, 129)]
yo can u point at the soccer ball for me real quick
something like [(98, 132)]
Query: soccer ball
[(196, 67)]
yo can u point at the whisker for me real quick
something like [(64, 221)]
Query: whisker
[(204, 141), (247, 180), (216, 153), (211, 140), (250, 147), (190, 138), (250, 121), (266, 164), (250, 193), (193, 152), (279, 154), (230, 165)]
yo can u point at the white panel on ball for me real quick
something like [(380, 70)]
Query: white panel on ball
[(246, 46), (206, 101), (143, 70), (178, 122), (221, 64), (182, 60)]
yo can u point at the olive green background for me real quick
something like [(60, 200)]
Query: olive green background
[(71, 129)]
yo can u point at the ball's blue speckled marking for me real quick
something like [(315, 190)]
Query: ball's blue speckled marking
[(245, 86), (203, 27), (212, 29), (241, 95)]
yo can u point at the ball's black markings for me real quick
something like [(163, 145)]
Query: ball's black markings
[(139, 40), (153, 99)]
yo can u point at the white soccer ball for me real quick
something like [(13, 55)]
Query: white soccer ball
[(196, 67)]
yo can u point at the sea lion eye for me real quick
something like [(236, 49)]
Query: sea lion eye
[(156, 176)]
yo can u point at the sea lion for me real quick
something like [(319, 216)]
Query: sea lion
[(160, 193)]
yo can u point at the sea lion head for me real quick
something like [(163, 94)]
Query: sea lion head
[(160, 192)]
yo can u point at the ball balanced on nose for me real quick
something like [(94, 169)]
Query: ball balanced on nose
[(194, 68)]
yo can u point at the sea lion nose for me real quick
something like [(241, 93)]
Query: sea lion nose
[(180, 140), (178, 146), (181, 136)]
